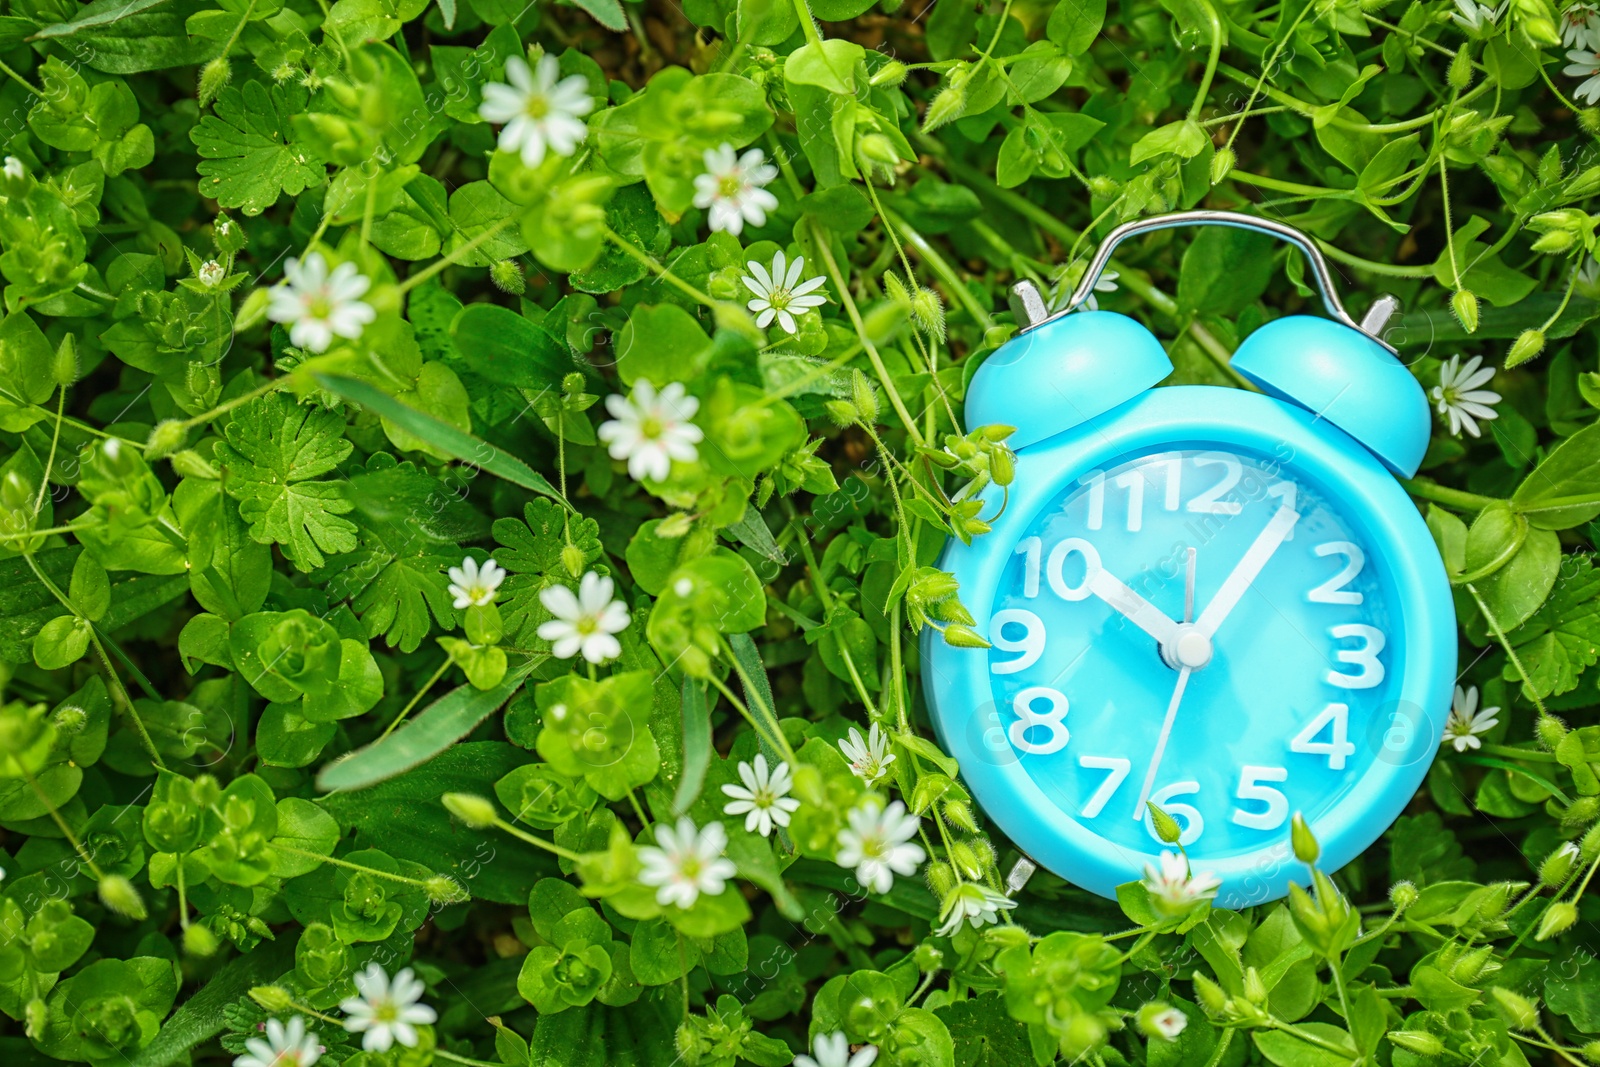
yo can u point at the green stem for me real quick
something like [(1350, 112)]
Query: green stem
[(441, 1054), (1211, 61), (942, 268), (335, 861), (1459, 499), (454, 255), (228, 405), (1511, 653), (807, 23), (634, 252), (61, 824), (400, 718), (548, 846), (1389, 269), (20, 80)]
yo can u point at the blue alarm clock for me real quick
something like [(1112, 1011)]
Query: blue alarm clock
[(1217, 600)]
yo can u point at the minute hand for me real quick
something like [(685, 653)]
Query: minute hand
[(1255, 558)]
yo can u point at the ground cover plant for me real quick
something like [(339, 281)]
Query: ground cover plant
[(472, 474)]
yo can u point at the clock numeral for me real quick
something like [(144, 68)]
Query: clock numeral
[(1028, 719), (1287, 493), (1188, 816), (1252, 789), (1031, 644), (1210, 502), (1133, 482), (1333, 590), (1118, 768), (1029, 548), (1336, 719), (1096, 481), (1058, 559), (1365, 657)]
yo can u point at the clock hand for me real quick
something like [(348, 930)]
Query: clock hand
[(1161, 741), (1255, 558), (1139, 611)]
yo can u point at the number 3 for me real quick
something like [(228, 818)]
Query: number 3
[(1027, 719), (1365, 657)]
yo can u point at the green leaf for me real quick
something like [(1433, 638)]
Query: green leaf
[(1074, 24), (829, 65), (507, 349), (1562, 491), (435, 729), (696, 744), (1288, 1050), (442, 436), (201, 1016), (1562, 639), (248, 155), (275, 448)]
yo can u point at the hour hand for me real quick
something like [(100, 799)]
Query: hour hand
[(1139, 611)]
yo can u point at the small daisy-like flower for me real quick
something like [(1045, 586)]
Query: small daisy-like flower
[(832, 1050), (870, 758), (1586, 65), (1163, 1021), (584, 623), (878, 843), (1458, 397), (1173, 885), (15, 168), (387, 1010), (211, 273), (764, 799), (1580, 27), (474, 586), (542, 111), (318, 306), (974, 903), (1106, 283), (781, 294), (1475, 17), (732, 187), (284, 1046), (688, 863), (1466, 721), (651, 429)]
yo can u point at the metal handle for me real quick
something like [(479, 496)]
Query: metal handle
[(1372, 325)]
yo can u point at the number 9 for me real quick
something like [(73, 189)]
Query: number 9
[(1031, 644)]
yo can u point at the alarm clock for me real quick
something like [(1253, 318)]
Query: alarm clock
[(1220, 601)]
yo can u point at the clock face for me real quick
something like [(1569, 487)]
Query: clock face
[(1203, 627)]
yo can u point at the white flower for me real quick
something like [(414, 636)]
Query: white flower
[(14, 168), (869, 759), (877, 843), (1168, 1022), (832, 1050), (688, 863), (1475, 17), (1586, 65), (1173, 885), (1106, 283), (975, 903), (474, 586), (764, 799), (317, 305), (1580, 27), (541, 109), (211, 273), (386, 1010), (732, 188), (1458, 397), (652, 429), (284, 1046), (1466, 722), (585, 622), (781, 294)]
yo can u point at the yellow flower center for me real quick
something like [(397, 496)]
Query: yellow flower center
[(537, 106)]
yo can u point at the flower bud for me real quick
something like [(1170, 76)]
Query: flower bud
[(1306, 849), (941, 879), (1591, 1051), (1520, 1013), (64, 364), (966, 860), (573, 560), (1589, 119), (875, 148), (1210, 995), (118, 894), (1589, 845), (1222, 164), (1558, 865), (1555, 242), (1166, 826), (1161, 1021), (896, 290), (890, 75), (1529, 343), (1460, 76), (1550, 730), (1255, 990), (927, 311), (959, 812), (951, 103), (199, 941), (1104, 187), (14, 178), (928, 958), (167, 438), (213, 77), (1464, 305), (842, 412), (960, 636), (1419, 1041), (1580, 813), (1557, 920), (477, 812), (273, 998), (442, 889), (864, 397), (508, 277), (1006, 935)]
